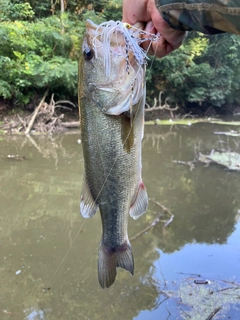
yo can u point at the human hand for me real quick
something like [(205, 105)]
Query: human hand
[(146, 11)]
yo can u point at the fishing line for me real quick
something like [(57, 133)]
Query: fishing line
[(154, 54), (70, 247)]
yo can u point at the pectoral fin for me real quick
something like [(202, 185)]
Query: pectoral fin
[(88, 206), (140, 203)]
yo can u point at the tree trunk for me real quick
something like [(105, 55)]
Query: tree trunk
[(62, 12)]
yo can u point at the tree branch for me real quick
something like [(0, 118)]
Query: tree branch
[(36, 112), (157, 105)]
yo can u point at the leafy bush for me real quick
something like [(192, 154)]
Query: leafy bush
[(15, 11), (205, 70), (113, 10), (37, 55)]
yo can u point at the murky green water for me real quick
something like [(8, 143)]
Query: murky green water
[(48, 260)]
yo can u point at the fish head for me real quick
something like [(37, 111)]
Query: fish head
[(113, 69)]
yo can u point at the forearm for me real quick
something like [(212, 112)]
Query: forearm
[(209, 17)]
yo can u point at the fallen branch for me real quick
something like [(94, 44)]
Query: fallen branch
[(74, 124), (65, 101), (212, 314), (22, 122), (157, 105), (155, 221), (35, 144), (35, 113), (43, 120), (166, 210), (167, 223), (187, 115), (232, 282), (188, 163)]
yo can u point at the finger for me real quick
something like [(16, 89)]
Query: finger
[(150, 31), (168, 41)]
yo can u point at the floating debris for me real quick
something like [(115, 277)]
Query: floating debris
[(229, 133), (16, 157), (202, 282), (230, 160)]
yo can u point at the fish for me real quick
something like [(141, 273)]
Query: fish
[(112, 92)]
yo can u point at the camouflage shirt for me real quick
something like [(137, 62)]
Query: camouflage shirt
[(207, 16)]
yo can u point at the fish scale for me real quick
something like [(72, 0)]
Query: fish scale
[(112, 157)]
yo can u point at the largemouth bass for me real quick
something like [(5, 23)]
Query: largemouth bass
[(112, 98)]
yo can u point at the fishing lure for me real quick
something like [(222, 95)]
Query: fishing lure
[(132, 40)]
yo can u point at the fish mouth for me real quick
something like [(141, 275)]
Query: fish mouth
[(91, 25)]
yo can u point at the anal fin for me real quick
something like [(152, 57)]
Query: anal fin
[(88, 206), (140, 203)]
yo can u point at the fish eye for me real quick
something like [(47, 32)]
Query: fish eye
[(88, 54)]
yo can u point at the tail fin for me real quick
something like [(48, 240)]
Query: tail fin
[(109, 260)]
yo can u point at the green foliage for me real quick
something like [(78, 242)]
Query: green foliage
[(205, 70), (15, 11), (98, 5), (90, 14), (39, 49), (37, 55), (113, 10), (5, 87), (41, 8)]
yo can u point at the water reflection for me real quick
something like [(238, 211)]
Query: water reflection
[(36, 314), (39, 220)]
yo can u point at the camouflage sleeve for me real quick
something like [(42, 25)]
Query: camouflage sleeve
[(207, 16)]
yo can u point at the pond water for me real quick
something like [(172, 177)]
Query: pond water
[(189, 269)]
